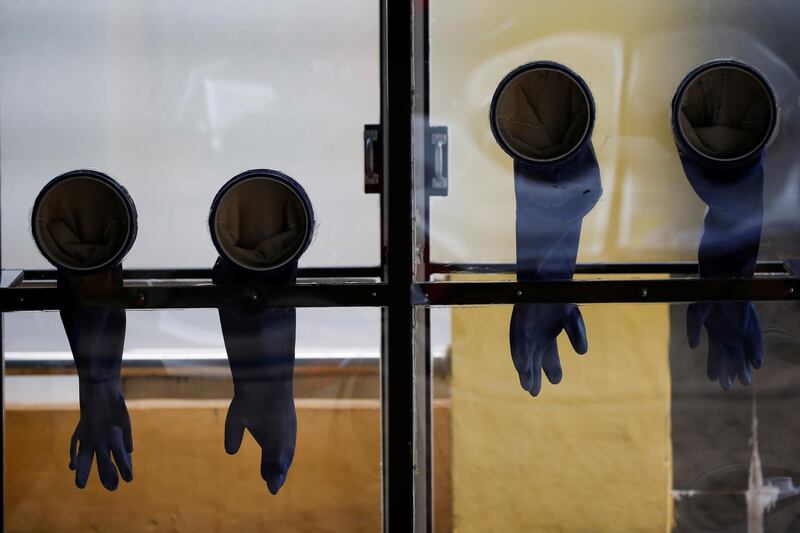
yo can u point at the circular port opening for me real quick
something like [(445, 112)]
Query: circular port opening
[(261, 220), (84, 221), (724, 111), (542, 112)]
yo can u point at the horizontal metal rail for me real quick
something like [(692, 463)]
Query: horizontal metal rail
[(145, 290), (67, 366), (605, 291), (205, 273), (200, 295), (595, 268)]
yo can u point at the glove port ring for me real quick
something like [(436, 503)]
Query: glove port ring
[(724, 112), (261, 220), (84, 222), (542, 113)]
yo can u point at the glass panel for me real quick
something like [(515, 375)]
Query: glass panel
[(177, 387), (172, 101), (634, 438), (632, 55)]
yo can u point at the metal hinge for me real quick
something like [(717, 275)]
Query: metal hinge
[(373, 159), (436, 174), (437, 167)]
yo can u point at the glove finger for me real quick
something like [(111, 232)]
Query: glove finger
[(272, 472), (741, 365), (73, 445), (278, 450), (121, 456), (730, 378), (576, 330), (695, 317), (538, 355), (84, 465), (725, 370), (754, 343), (106, 469), (521, 349), (755, 351), (551, 364), (234, 431), (125, 425)]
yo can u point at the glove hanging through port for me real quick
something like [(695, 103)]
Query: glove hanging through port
[(551, 204), (261, 223), (542, 115), (724, 114), (84, 223)]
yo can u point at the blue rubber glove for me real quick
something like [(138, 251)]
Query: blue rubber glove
[(723, 115), (728, 248), (533, 333), (551, 203), (260, 343), (734, 339), (96, 337)]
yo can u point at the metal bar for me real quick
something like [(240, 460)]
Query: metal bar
[(768, 288), (422, 182), (423, 409), (375, 272), (764, 287), (595, 268), (2, 405), (66, 365), (205, 273), (397, 384), (204, 296)]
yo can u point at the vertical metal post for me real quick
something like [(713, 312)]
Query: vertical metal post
[(397, 369), (2, 394), (423, 385)]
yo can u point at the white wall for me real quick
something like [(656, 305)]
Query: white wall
[(174, 98)]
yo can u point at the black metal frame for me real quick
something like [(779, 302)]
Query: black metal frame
[(191, 289), (403, 285)]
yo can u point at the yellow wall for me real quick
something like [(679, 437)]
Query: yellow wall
[(590, 455), (185, 482)]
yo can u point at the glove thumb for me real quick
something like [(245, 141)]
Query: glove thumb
[(695, 317), (576, 330), (234, 431)]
